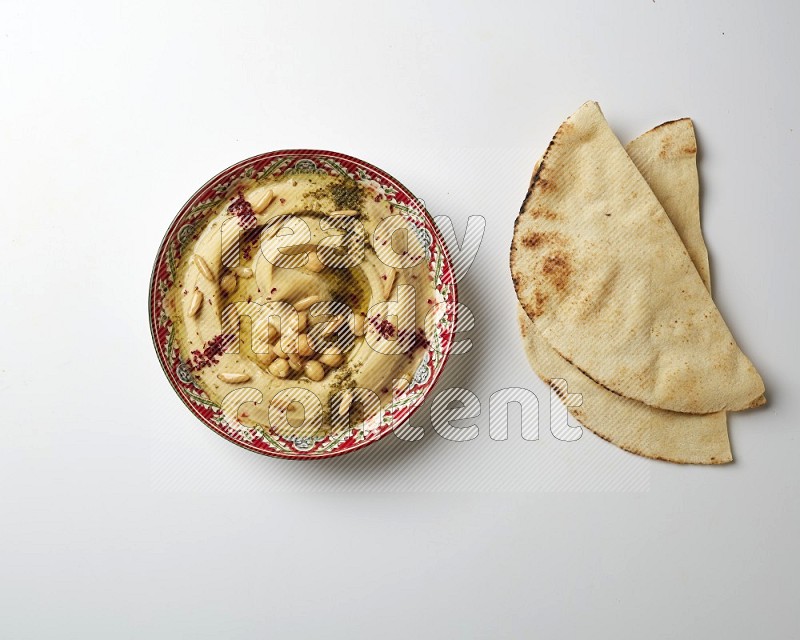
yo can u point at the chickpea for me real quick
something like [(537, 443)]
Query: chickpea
[(327, 328), (303, 346), (295, 362), (270, 331), (331, 359), (273, 330), (265, 358), (279, 368), (229, 283), (314, 370), (279, 351)]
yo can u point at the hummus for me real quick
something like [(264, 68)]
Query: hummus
[(303, 305)]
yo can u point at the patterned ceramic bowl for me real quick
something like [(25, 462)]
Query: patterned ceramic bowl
[(183, 230)]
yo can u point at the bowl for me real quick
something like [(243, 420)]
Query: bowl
[(183, 231)]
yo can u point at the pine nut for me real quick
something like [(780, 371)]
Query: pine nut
[(314, 263), (358, 324), (233, 378), (261, 199), (305, 303), (346, 401), (196, 302), (203, 268)]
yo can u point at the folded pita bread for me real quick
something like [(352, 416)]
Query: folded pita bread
[(665, 156), (603, 274), (688, 438)]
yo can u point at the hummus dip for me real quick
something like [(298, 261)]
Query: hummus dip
[(303, 306)]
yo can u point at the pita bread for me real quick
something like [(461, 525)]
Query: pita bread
[(631, 425), (666, 156), (601, 271)]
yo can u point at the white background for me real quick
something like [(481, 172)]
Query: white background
[(122, 517)]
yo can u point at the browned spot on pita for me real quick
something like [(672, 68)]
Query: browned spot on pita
[(544, 213), (690, 150), (666, 143), (564, 129), (557, 268), (533, 239), (540, 298)]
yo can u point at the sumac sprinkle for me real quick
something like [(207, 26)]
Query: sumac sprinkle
[(249, 242), (383, 327), (212, 350), (243, 210)]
